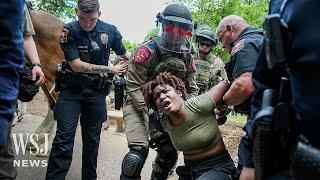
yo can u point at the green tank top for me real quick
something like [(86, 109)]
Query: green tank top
[(199, 131)]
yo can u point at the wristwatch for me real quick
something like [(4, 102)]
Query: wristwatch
[(36, 64)]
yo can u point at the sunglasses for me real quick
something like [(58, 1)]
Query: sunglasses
[(205, 44)]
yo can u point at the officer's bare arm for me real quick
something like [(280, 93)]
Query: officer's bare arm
[(80, 66), (30, 49), (241, 89), (126, 55)]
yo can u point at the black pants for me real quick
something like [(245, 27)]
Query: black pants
[(92, 107), (7, 170), (219, 167)]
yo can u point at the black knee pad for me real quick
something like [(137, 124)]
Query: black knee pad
[(133, 162), (163, 163)]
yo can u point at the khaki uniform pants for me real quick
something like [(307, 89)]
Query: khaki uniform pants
[(136, 127)]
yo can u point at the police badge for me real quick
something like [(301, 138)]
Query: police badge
[(104, 38)]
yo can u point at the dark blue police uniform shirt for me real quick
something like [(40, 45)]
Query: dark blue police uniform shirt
[(304, 62), (304, 70), (76, 43), (11, 52), (262, 78), (11, 60), (245, 60)]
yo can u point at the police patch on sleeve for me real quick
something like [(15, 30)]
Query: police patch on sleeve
[(64, 35), (104, 38), (239, 45), (142, 54)]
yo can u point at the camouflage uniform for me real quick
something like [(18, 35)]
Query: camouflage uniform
[(209, 71), (140, 73), (170, 52)]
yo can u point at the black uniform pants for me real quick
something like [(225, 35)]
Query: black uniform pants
[(215, 167), (92, 107)]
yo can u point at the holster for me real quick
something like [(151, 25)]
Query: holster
[(306, 160), (119, 87), (100, 82), (263, 146)]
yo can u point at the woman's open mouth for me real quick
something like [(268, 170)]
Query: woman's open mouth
[(166, 104)]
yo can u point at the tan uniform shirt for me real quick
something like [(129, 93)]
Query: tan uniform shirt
[(27, 23)]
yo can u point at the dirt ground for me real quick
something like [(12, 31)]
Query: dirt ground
[(231, 131)]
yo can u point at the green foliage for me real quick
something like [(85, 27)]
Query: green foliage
[(237, 118), (63, 9), (152, 33), (212, 11), (130, 46)]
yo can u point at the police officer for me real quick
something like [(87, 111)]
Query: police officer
[(169, 51), (209, 67), (11, 57), (301, 51), (86, 43), (243, 43), (7, 170)]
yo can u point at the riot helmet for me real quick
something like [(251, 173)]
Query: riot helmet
[(205, 33), (175, 28)]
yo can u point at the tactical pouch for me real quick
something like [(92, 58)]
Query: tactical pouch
[(27, 87), (306, 160), (100, 82), (262, 147), (264, 138)]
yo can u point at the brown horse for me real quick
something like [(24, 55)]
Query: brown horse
[(48, 29)]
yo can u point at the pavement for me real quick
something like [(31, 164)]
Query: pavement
[(113, 147)]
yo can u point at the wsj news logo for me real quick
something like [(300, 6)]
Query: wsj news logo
[(20, 147)]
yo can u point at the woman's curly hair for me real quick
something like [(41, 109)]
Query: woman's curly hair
[(162, 79)]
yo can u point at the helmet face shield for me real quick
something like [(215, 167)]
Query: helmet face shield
[(175, 34)]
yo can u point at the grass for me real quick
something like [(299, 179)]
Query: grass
[(237, 118)]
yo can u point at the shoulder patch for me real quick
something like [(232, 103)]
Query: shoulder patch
[(152, 45), (142, 54), (64, 35), (237, 47)]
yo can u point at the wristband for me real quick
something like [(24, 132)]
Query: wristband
[(36, 64)]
